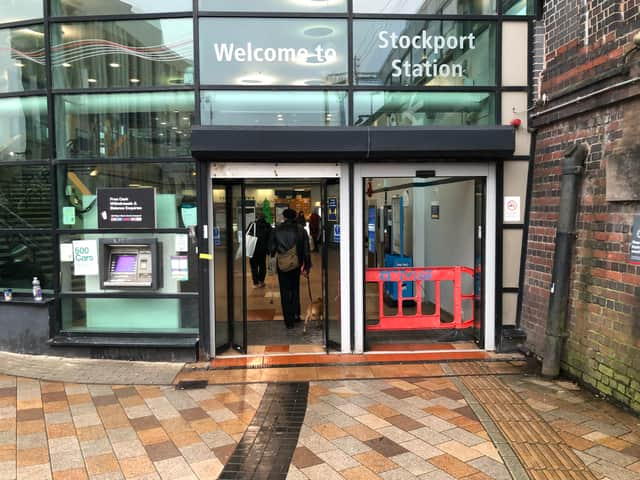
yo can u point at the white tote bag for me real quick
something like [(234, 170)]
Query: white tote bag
[(251, 241)]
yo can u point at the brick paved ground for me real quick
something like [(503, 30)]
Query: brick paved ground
[(466, 420)]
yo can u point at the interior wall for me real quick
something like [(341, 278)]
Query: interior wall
[(449, 240)]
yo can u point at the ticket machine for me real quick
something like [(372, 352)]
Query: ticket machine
[(129, 263)]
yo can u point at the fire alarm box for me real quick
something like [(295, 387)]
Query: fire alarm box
[(129, 263)]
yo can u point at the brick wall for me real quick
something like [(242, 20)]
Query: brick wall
[(603, 343)]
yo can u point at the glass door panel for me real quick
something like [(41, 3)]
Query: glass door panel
[(239, 267), (478, 283), (221, 247), (331, 262)]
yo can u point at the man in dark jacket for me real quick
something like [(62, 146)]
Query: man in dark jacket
[(258, 261), (285, 237)]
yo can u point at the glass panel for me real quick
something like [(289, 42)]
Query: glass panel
[(175, 185), (123, 125), (117, 7), (15, 10), (320, 109), (169, 282), (23, 128), (122, 54), (167, 315), (25, 197), (518, 7), (221, 267), (424, 53), (24, 256), (268, 51), (333, 264), (418, 109), (239, 297), (421, 224), (442, 7), (322, 6), (22, 59)]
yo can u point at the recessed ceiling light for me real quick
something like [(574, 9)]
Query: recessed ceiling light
[(66, 65), (94, 172), (163, 123), (174, 128), (318, 32), (256, 79), (91, 80), (19, 64), (114, 65), (134, 80), (185, 118)]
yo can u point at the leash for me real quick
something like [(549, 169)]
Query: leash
[(309, 288)]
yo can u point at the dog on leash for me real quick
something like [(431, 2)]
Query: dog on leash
[(314, 312)]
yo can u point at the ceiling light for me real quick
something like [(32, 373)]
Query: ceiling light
[(114, 65), (163, 123), (318, 32), (256, 79), (19, 64), (94, 172), (174, 128), (134, 80), (185, 118), (91, 80), (66, 65)]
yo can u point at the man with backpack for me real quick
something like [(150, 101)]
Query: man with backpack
[(290, 245)]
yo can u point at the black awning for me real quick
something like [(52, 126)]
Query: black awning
[(351, 143)]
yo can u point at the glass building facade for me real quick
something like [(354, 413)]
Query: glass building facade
[(102, 94)]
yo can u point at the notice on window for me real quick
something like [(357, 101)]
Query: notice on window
[(512, 209), (180, 268), (85, 257), (126, 207), (634, 255)]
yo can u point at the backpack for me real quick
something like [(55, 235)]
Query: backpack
[(288, 260)]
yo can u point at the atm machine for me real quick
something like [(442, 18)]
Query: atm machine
[(396, 257), (129, 264)]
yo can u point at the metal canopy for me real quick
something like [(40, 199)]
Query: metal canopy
[(351, 143)]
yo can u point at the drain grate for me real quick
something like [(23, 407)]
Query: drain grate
[(267, 446), (191, 384)]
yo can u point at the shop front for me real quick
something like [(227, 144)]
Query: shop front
[(139, 142)]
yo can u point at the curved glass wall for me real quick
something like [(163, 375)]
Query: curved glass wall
[(22, 59), (16, 10), (273, 51), (310, 109), (132, 53), (434, 7), (23, 128), (302, 6), (117, 7), (124, 125), (423, 109)]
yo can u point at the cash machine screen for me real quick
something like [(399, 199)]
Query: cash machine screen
[(124, 264)]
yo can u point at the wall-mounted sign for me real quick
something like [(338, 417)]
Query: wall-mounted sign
[(634, 254), (512, 209), (85, 257), (435, 210), (371, 227), (126, 207), (68, 215), (332, 209), (336, 233), (180, 268)]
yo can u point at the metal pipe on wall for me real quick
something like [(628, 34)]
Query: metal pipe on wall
[(572, 170)]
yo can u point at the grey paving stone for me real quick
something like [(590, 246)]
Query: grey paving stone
[(491, 468), (350, 445), (463, 436), (611, 455), (397, 474), (413, 463)]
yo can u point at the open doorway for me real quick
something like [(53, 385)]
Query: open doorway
[(247, 307), (424, 262)]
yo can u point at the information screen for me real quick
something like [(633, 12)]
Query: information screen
[(125, 264)]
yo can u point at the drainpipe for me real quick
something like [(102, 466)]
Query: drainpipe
[(572, 169)]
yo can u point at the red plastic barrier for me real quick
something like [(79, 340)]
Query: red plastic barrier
[(419, 275)]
